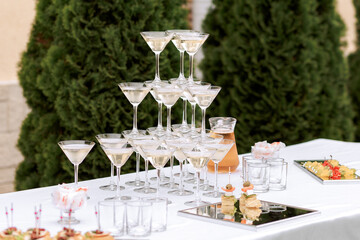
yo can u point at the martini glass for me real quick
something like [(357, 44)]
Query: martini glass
[(118, 155), (157, 41), (179, 145), (159, 130), (158, 157), (204, 98), (76, 151), (148, 143), (198, 158), (113, 138), (221, 149), (168, 94), (192, 43), (135, 92), (137, 182)]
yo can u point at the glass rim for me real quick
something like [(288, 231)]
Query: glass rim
[(109, 203), (155, 199), (223, 118), (103, 135), (67, 142), (258, 165), (139, 203)]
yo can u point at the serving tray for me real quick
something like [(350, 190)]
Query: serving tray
[(272, 213), (300, 164)]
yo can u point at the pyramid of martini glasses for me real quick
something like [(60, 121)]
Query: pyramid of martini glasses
[(158, 145)]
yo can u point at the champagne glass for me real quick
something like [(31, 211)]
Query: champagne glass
[(147, 142), (158, 158), (118, 155), (157, 41), (204, 98), (198, 158), (168, 94), (221, 149), (179, 145), (113, 138), (135, 92), (76, 151), (192, 43), (137, 182)]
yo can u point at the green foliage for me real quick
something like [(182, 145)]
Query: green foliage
[(282, 72), (354, 72), (77, 54)]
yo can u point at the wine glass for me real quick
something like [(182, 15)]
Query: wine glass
[(198, 158), (192, 43), (157, 41), (158, 157), (168, 94), (137, 182), (180, 144), (76, 151), (221, 149), (118, 154), (204, 98), (148, 142), (110, 138), (135, 92)]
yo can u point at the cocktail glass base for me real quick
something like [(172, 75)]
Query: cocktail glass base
[(196, 203), (213, 194), (205, 187), (170, 185), (156, 131), (181, 193), (65, 220), (188, 175), (146, 190), (193, 180), (183, 128), (135, 183), (109, 187), (124, 198), (163, 179)]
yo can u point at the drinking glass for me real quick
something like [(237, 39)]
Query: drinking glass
[(112, 217), (76, 151), (158, 157), (137, 182), (168, 94), (259, 176), (204, 98), (198, 158), (278, 173), (221, 149), (246, 160), (110, 138), (157, 41), (135, 92), (159, 213), (148, 142), (179, 145), (118, 155), (192, 43), (138, 218)]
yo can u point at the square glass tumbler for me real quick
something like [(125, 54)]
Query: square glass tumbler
[(278, 174), (246, 159), (159, 213), (138, 218), (112, 217), (259, 176)]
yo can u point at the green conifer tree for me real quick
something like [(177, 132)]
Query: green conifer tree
[(354, 72), (282, 72), (77, 54)]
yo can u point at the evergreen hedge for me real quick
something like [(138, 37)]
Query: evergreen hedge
[(354, 72), (77, 54), (282, 72)]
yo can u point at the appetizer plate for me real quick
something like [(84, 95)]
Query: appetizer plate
[(272, 213), (300, 164)]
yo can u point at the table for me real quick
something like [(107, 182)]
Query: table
[(339, 204)]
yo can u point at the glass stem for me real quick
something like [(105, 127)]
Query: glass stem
[(206, 181), (193, 112), (76, 170), (157, 68), (181, 187), (171, 171), (146, 173), (168, 128), (191, 76), (159, 126), (216, 178), (197, 197), (203, 133), (137, 177), (184, 116), (135, 129), (186, 170), (158, 182), (118, 169), (112, 174), (181, 75)]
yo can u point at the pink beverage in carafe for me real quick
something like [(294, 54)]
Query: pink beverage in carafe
[(225, 126)]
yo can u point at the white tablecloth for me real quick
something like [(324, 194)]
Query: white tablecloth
[(339, 204)]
